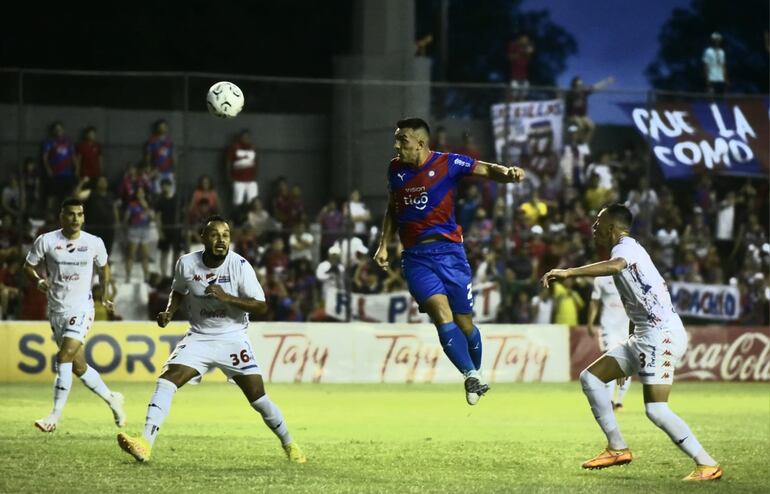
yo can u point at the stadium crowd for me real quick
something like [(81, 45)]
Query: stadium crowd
[(701, 231)]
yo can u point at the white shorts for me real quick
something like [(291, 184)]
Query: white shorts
[(231, 353), (244, 192), (74, 324), (653, 356), (609, 338)]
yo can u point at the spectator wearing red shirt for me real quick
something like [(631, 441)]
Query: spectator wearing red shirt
[(88, 155), (576, 106), (275, 260), (282, 203), (519, 54), (59, 164), (159, 154), (241, 162), (133, 180)]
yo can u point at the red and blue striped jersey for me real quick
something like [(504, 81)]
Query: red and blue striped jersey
[(424, 197)]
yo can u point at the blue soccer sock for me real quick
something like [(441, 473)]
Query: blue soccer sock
[(474, 347), (455, 345)]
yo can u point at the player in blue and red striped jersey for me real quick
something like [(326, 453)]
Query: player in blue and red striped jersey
[(422, 185)]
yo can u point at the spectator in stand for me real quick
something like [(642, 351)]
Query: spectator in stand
[(247, 245), (667, 238), (469, 147), (714, 66), (205, 190), (366, 278), (542, 307), (576, 106), (301, 243), (303, 285), (297, 207), (137, 218), (100, 209), (275, 259), (536, 250), (133, 180), (750, 234), (170, 242), (520, 53), (567, 303), (574, 157), (259, 219), (159, 154), (595, 196), (534, 209), (394, 280), (465, 210), (9, 231), (332, 223), (59, 165), (32, 189), (603, 168), (11, 197), (88, 155), (358, 213), (241, 162), (196, 214), (642, 202), (440, 139), (331, 272), (282, 203)]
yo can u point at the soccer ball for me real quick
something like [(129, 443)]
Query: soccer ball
[(224, 100)]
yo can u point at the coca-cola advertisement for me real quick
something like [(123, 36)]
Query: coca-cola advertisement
[(714, 353)]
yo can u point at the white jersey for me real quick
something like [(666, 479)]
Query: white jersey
[(70, 266), (642, 289), (208, 315), (613, 313)]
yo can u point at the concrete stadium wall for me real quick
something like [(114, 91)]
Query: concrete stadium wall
[(294, 146)]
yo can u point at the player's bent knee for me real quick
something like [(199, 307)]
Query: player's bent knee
[(79, 368), (589, 381), (656, 412)]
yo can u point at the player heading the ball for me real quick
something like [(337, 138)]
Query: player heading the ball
[(422, 185)]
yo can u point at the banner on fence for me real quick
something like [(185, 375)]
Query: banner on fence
[(704, 301), (300, 352), (400, 307), (528, 128), (729, 136), (714, 353)]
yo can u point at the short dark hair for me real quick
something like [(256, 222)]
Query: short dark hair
[(211, 219), (71, 201), (620, 214), (413, 123)]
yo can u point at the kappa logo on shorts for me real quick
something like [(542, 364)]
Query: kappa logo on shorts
[(197, 277), (666, 364), (209, 275), (667, 341), (665, 375), (666, 353)]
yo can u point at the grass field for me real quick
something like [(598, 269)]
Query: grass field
[(380, 438)]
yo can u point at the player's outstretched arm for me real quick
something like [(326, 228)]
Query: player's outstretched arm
[(174, 301), (248, 304), (603, 268), (498, 173), (388, 224)]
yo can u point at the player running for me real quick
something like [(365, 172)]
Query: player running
[(422, 185), (220, 289), (69, 255), (652, 352), (614, 328)]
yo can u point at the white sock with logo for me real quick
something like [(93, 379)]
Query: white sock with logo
[(157, 410), (273, 418), (601, 405), (93, 381), (676, 428), (61, 387)]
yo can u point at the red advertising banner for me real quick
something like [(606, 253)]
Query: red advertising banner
[(714, 353)]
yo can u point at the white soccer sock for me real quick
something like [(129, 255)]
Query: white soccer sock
[(623, 389), (61, 387), (157, 410), (273, 418), (93, 381), (611, 389), (676, 428), (601, 406)]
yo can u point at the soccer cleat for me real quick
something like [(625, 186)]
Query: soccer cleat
[(705, 472), (474, 389), (116, 405), (138, 447), (294, 454), (47, 424), (609, 458)]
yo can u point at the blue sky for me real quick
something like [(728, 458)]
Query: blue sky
[(615, 37)]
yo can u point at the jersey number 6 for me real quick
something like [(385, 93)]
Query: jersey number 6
[(244, 357)]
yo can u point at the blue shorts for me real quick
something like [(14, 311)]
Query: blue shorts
[(439, 268)]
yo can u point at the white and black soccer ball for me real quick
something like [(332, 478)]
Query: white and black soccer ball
[(224, 100)]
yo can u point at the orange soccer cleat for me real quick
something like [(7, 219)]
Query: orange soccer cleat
[(705, 472), (609, 458)]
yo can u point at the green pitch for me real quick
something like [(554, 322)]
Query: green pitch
[(380, 438)]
